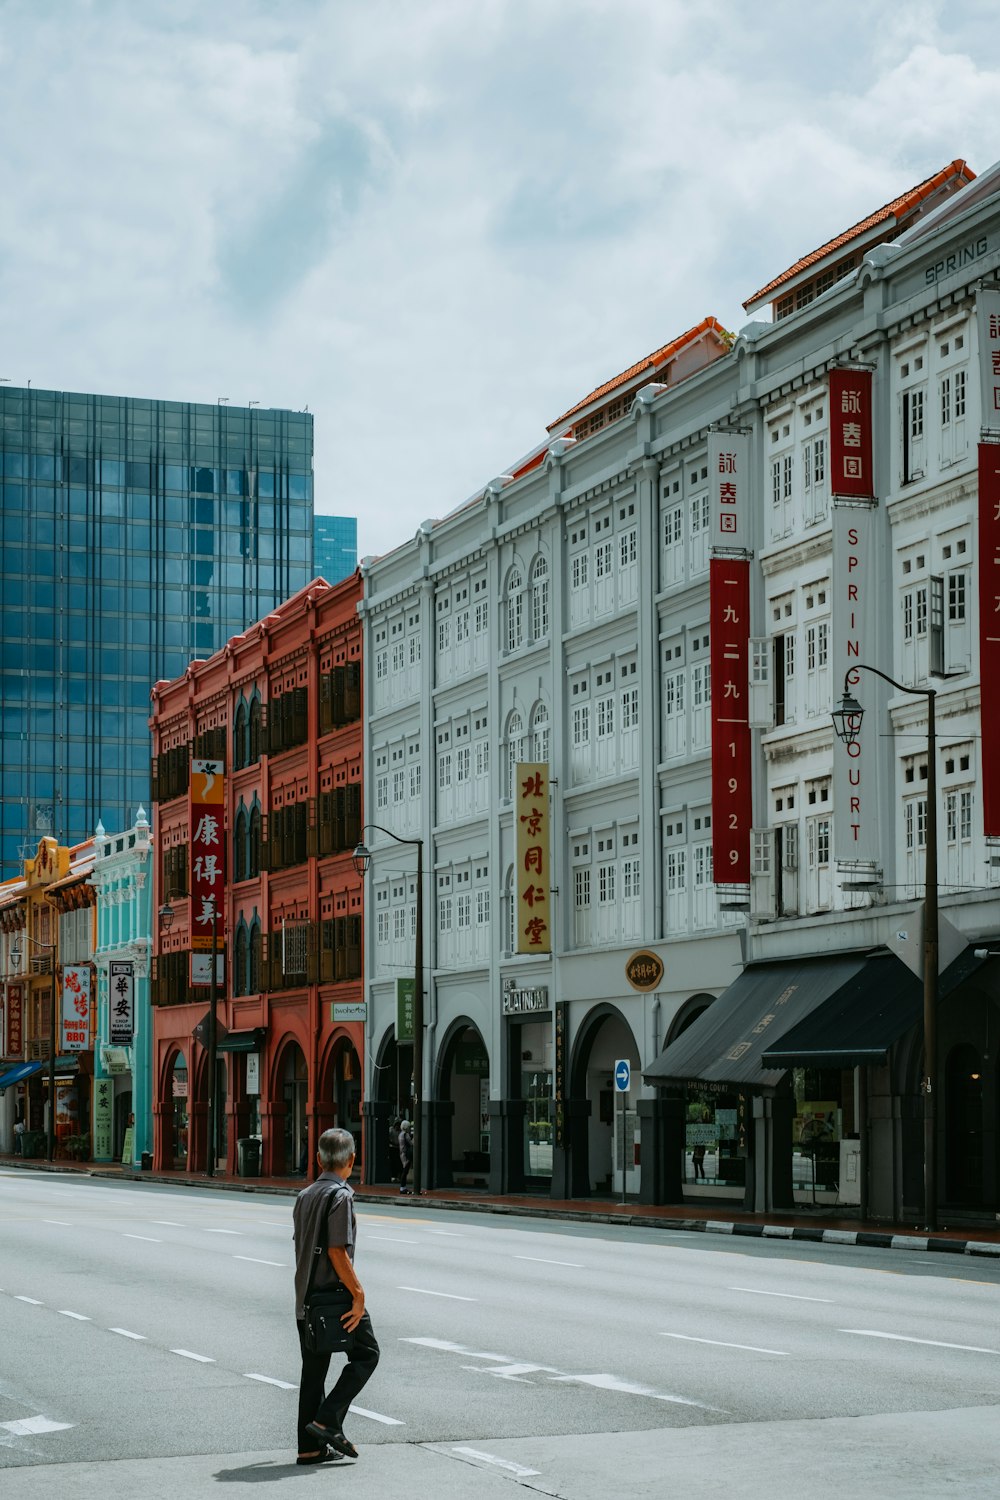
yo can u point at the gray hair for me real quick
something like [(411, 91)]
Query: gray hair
[(336, 1147)]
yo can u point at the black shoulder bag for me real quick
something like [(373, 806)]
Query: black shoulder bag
[(324, 1332)]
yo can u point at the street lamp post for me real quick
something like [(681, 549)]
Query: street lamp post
[(847, 724), (362, 861)]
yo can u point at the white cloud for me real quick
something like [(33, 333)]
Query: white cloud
[(438, 226)]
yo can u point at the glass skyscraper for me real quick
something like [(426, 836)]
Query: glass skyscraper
[(136, 536), (335, 546)]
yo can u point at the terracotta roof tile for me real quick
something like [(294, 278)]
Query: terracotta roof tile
[(649, 365), (898, 209)]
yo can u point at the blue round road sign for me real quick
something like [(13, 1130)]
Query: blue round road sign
[(623, 1075)]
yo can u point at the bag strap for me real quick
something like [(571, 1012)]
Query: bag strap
[(320, 1245)]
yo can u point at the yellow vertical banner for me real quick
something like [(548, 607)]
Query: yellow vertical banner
[(532, 874)]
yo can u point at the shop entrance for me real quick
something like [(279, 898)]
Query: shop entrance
[(295, 1093), (345, 1086), (824, 1116), (465, 1080), (535, 1047), (611, 1130), (964, 1125), (179, 1099)]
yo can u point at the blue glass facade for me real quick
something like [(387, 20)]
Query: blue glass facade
[(335, 546), (136, 536)]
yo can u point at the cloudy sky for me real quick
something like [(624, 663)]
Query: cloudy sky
[(438, 223)]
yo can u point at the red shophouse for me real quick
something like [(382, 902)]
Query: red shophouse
[(277, 715)]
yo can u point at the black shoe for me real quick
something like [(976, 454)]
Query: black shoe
[(325, 1456), (337, 1440)]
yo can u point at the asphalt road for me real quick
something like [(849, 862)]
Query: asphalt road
[(147, 1347)]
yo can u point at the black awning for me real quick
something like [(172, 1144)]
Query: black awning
[(865, 1017), (243, 1041), (726, 1043)]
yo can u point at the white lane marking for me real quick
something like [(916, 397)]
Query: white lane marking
[(203, 1359), (629, 1388), (500, 1463), (902, 1338), (514, 1372), (64, 1312), (126, 1334), (452, 1296), (543, 1261), (791, 1296), (376, 1416), (147, 1237), (63, 1223), (721, 1344), (237, 1232), (170, 1223), (451, 1233), (391, 1239), (33, 1300), (283, 1385), (258, 1262), (30, 1426), (447, 1347)]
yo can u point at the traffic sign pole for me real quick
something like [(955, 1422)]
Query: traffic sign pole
[(623, 1080)]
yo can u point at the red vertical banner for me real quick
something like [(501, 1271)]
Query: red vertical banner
[(851, 470), (208, 863), (729, 618), (15, 1017), (989, 632)]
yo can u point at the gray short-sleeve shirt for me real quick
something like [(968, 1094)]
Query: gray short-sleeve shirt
[(332, 1199)]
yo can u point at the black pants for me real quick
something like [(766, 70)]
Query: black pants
[(404, 1171), (331, 1411)]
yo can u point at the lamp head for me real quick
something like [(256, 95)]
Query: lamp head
[(166, 917), (847, 719), (361, 859)]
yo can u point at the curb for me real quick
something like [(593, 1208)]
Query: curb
[(866, 1239)]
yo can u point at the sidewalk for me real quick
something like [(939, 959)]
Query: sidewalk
[(697, 1216)]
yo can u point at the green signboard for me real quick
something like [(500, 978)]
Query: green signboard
[(471, 1057), (404, 1010)]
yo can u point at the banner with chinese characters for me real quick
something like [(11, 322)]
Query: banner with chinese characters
[(729, 478), (989, 632), (15, 1022), (208, 853), (75, 1008), (532, 871), (988, 320), (103, 1123), (855, 814), (729, 620), (121, 1004), (851, 470)]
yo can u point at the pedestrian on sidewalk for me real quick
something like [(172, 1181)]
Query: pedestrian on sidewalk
[(18, 1133), (405, 1155), (394, 1162), (324, 1215)]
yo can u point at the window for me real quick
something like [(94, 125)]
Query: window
[(515, 610), (540, 599), (515, 751), (540, 734)]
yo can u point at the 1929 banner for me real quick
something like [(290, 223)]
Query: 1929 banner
[(532, 873), (989, 632), (851, 470), (729, 619)]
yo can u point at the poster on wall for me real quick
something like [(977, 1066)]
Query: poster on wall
[(855, 817), (729, 619), (75, 1008)]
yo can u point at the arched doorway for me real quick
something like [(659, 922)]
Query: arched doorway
[(342, 1086), (465, 1081), (177, 1102), (606, 1037), (294, 1078), (964, 1125)]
